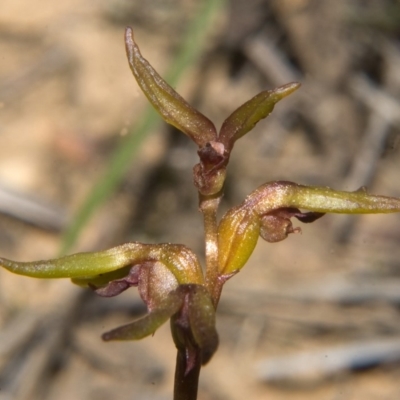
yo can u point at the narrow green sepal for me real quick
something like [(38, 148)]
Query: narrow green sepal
[(267, 212), (274, 195), (99, 266), (173, 108), (81, 265)]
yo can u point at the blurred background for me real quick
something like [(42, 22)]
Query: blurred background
[(84, 166)]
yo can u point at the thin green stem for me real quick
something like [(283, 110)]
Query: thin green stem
[(186, 383), (209, 207)]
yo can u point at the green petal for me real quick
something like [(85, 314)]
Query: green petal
[(202, 321), (148, 324), (246, 116), (238, 233)]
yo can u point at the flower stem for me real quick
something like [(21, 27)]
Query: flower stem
[(186, 383), (209, 206)]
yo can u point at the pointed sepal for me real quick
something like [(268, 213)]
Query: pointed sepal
[(105, 266), (321, 199), (174, 109)]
